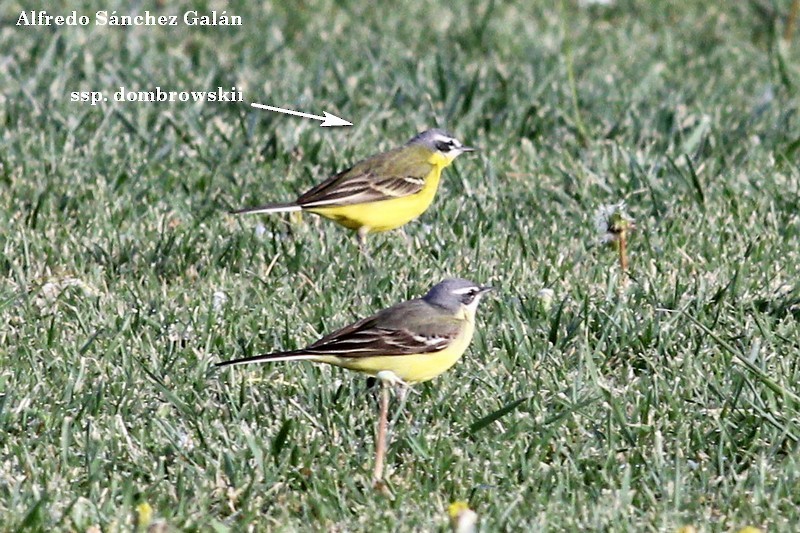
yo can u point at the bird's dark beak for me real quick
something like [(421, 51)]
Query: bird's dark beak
[(469, 149), (486, 289)]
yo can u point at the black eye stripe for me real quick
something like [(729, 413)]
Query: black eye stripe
[(469, 297), (444, 146)]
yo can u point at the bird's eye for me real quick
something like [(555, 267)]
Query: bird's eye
[(444, 146), (469, 297)]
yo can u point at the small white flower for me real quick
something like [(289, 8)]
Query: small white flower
[(50, 291), (545, 297), (767, 96), (260, 230), (185, 442), (180, 333), (219, 299)]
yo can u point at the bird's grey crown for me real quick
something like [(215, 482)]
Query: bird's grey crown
[(449, 292), (429, 138)]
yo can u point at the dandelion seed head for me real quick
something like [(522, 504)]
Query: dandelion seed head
[(610, 220)]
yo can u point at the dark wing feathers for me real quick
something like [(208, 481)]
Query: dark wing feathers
[(330, 189), (391, 332), (396, 186), (380, 177)]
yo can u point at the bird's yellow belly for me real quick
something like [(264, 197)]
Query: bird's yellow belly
[(410, 368), (384, 215)]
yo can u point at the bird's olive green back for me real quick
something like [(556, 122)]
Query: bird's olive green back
[(393, 174)]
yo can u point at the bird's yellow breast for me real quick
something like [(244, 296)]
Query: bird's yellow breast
[(385, 215), (410, 368)]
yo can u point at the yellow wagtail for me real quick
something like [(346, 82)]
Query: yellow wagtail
[(382, 192), (409, 342)]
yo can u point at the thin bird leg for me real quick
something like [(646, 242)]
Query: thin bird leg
[(387, 379), (362, 238), (380, 444)]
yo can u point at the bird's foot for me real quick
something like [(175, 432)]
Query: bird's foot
[(381, 487), (387, 377)]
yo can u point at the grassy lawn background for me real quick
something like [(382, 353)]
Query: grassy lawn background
[(124, 280)]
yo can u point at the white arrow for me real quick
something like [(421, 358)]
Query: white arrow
[(328, 121)]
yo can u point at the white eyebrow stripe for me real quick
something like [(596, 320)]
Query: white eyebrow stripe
[(465, 290)]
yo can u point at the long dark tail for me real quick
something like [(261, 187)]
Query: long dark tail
[(269, 208), (298, 355)]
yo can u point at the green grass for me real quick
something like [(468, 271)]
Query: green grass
[(669, 400)]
